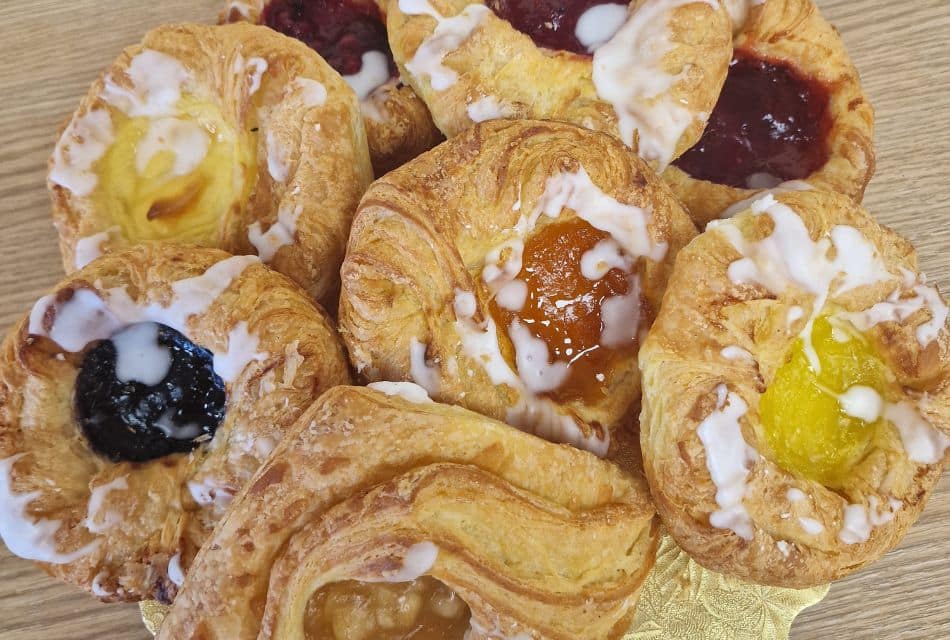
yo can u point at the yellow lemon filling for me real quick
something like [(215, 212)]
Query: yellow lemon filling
[(175, 177), (803, 412)]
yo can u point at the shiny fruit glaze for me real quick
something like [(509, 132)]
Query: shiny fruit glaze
[(550, 23), (806, 430), (341, 31), (563, 307), (769, 126), (424, 609)]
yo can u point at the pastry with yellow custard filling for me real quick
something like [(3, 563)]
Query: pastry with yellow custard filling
[(796, 391), (512, 270), (385, 513), (231, 137)]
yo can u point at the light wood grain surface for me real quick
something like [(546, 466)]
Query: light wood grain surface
[(51, 50)]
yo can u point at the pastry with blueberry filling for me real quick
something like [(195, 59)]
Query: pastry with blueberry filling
[(137, 399), (222, 136)]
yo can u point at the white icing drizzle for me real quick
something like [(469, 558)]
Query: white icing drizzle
[(861, 402), (628, 73), (728, 458), (488, 108), (408, 391), (620, 316), (89, 248), (187, 140), (736, 353), (604, 256), (762, 180), (746, 204), (210, 492), (24, 536), (795, 313), (253, 68), (811, 526), (418, 561), (310, 92), (97, 498), (421, 372), (789, 255), (783, 547), (157, 81), (242, 7), (860, 520), (280, 234), (503, 263), (599, 23), (738, 11), (83, 143), (242, 350), (923, 443), (898, 309), (89, 316), (139, 356), (512, 295), (278, 162), (373, 73), (448, 35), (533, 361), (167, 425), (175, 574), (97, 589), (531, 413), (795, 495)]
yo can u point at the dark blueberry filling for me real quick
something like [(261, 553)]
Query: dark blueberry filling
[(341, 31), (770, 125), (550, 23), (128, 420)]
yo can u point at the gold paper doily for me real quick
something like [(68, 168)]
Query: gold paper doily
[(682, 601)]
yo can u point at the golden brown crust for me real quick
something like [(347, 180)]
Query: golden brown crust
[(794, 33), (397, 121), (168, 506), (684, 369), (366, 476), (504, 70), (421, 239), (318, 146)]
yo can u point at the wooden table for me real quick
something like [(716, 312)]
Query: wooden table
[(51, 50)]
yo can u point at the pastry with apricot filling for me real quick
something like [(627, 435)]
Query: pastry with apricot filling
[(796, 391), (648, 71), (387, 516), (351, 37), (224, 136), (137, 399), (791, 111), (512, 270)]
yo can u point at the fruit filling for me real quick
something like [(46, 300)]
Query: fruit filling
[(147, 392), (424, 609), (576, 295), (174, 177), (341, 31), (577, 26), (770, 125), (819, 425)]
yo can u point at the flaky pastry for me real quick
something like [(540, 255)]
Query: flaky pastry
[(511, 270), (384, 506), (227, 136), (796, 391), (649, 73), (792, 109), (135, 401)]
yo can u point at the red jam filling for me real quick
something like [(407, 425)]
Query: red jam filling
[(770, 125), (563, 307), (339, 30), (550, 23)]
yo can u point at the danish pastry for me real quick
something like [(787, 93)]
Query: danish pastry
[(385, 512), (796, 392), (233, 137), (792, 108), (135, 401), (649, 73), (511, 270), (351, 36)]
